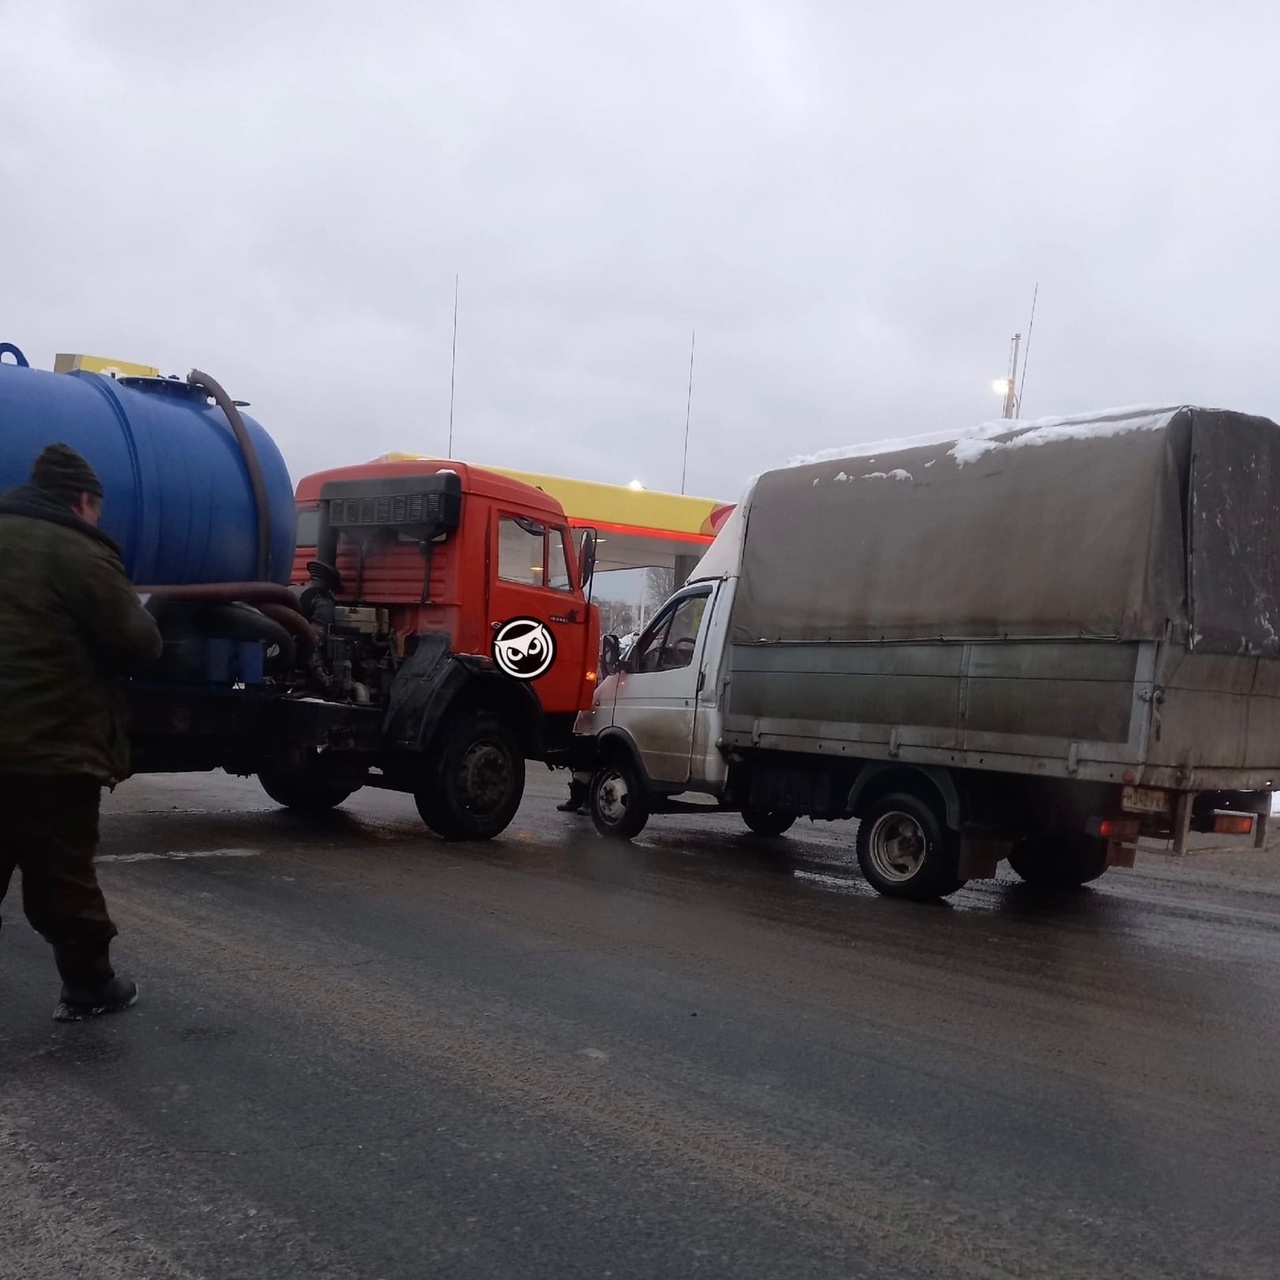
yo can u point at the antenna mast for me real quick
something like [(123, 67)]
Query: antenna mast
[(453, 362), (1026, 355), (688, 406)]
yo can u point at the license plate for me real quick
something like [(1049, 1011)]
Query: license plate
[(1144, 800)]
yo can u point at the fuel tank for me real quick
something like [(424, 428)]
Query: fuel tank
[(179, 498)]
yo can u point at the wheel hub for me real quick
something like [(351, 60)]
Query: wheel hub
[(611, 797), (486, 777), (897, 846)]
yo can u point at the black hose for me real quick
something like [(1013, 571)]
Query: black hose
[(259, 626), (261, 502), (191, 623), (292, 621)]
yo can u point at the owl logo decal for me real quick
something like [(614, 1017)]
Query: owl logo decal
[(524, 648)]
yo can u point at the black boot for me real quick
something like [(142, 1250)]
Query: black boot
[(113, 996), (577, 801)]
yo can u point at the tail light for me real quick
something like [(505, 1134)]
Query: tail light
[(1118, 828)]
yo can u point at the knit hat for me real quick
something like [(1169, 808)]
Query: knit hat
[(61, 472)]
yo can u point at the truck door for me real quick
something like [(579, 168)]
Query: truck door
[(530, 582), (658, 692)]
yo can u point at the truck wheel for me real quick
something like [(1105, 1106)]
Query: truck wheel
[(475, 781), (766, 822), (1064, 860), (905, 850), (292, 783), (619, 799)]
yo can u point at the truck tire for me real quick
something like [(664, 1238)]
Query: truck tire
[(906, 850), (1063, 860), (619, 798), (766, 822), (292, 783), (475, 779)]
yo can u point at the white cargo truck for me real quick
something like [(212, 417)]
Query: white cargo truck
[(1037, 642)]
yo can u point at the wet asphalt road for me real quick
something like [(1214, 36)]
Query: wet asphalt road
[(364, 1053)]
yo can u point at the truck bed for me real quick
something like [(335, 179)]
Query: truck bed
[(1086, 709)]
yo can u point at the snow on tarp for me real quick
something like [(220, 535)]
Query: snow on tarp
[(1096, 526), (972, 442), (1052, 431)]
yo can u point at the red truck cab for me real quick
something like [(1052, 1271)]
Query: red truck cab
[(476, 585)]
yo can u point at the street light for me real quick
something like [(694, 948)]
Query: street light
[(1007, 387)]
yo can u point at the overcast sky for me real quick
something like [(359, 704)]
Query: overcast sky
[(850, 202)]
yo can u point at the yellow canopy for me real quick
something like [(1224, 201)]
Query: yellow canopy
[(636, 527)]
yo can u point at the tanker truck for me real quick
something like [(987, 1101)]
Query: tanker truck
[(1037, 643), (420, 626)]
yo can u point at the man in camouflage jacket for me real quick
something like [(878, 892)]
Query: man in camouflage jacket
[(70, 625)]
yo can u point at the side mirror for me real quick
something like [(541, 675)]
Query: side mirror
[(587, 558), (610, 655)]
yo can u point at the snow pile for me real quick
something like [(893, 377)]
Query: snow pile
[(972, 443), (1050, 432), (896, 474), (896, 445)]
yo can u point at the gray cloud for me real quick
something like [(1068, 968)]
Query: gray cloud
[(849, 202)]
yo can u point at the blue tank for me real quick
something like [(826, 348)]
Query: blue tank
[(179, 499)]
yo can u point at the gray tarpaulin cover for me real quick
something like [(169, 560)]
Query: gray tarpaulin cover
[(1114, 525)]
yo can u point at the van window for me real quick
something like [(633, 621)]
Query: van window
[(669, 645), (520, 550)]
